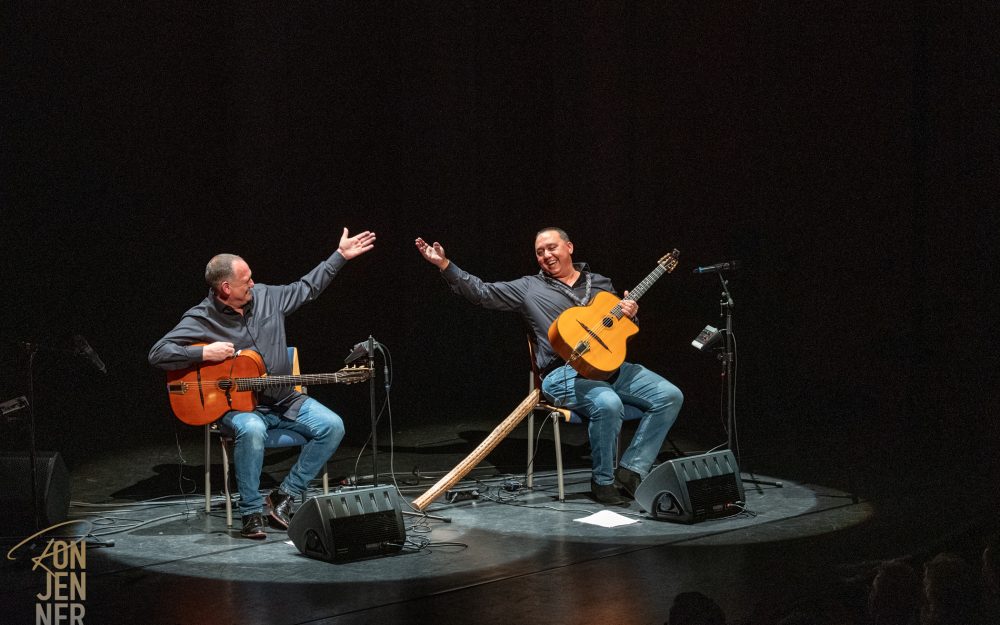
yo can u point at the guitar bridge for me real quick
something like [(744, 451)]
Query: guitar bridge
[(593, 335)]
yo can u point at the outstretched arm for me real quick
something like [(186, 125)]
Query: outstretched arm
[(493, 295), (433, 253), (292, 296)]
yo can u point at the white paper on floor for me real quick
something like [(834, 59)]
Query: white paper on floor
[(607, 518)]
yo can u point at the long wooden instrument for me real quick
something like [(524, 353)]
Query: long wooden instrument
[(477, 455)]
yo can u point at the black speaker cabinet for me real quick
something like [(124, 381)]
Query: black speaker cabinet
[(349, 525), (692, 489), (52, 494)]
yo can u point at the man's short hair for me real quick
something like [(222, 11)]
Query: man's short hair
[(220, 269), (562, 233)]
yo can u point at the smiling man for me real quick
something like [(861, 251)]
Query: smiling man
[(540, 298)]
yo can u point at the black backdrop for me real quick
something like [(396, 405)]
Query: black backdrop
[(845, 153)]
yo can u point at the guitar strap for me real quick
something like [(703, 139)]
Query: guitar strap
[(557, 362), (567, 290)]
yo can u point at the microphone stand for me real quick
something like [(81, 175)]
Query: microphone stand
[(728, 357), (374, 419), (371, 407), (32, 349)]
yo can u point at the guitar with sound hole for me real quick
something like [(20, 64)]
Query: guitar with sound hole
[(592, 338), (204, 392)]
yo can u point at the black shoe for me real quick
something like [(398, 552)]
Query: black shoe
[(253, 526), (280, 504), (607, 494), (628, 480)]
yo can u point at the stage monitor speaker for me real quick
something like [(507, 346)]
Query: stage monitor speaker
[(349, 525), (52, 493), (692, 489)]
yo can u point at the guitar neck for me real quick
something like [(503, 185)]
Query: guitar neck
[(641, 288), (259, 384)]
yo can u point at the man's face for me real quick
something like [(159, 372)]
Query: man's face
[(238, 290), (554, 255)]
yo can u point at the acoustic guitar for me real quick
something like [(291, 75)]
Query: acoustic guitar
[(204, 392), (592, 338)]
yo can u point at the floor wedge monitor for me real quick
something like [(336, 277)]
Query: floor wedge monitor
[(349, 525), (692, 489), (52, 491)]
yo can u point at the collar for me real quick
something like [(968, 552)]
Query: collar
[(569, 291), (581, 267), (226, 309)]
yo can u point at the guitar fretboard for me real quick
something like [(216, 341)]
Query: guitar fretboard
[(256, 384), (641, 288), (665, 265)]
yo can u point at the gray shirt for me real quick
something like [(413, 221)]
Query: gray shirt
[(539, 298), (261, 328)]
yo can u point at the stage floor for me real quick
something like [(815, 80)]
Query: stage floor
[(506, 557)]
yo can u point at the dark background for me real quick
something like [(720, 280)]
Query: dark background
[(847, 154)]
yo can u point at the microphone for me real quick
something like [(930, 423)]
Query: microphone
[(360, 351), (84, 349), (731, 265)]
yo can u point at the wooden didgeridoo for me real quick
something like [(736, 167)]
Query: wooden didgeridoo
[(478, 453)]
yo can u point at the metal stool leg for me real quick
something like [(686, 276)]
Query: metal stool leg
[(225, 481), (529, 478), (208, 471), (555, 416)]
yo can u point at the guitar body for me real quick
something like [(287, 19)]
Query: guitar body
[(201, 394), (591, 338)]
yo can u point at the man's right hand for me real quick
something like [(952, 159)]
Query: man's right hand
[(217, 352), (433, 253)]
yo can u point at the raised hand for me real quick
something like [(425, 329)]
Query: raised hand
[(351, 247), (433, 253)]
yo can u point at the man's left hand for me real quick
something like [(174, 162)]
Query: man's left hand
[(357, 245), (629, 306)]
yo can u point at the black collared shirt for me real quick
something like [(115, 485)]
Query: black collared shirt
[(539, 298)]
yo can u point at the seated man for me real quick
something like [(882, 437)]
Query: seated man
[(540, 298), (238, 314)]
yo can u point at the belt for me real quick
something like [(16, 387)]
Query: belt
[(554, 364)]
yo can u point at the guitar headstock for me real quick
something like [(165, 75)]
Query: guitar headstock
[(669, 261), (354, 374)]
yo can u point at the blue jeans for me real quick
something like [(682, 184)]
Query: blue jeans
[(322, 428), (603, 405)]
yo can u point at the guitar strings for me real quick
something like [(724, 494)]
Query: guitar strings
[(279, 380), (617, 309)]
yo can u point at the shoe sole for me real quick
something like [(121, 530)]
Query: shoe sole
[(628, 492), (620, 485), (255, 536), (621, 501)]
